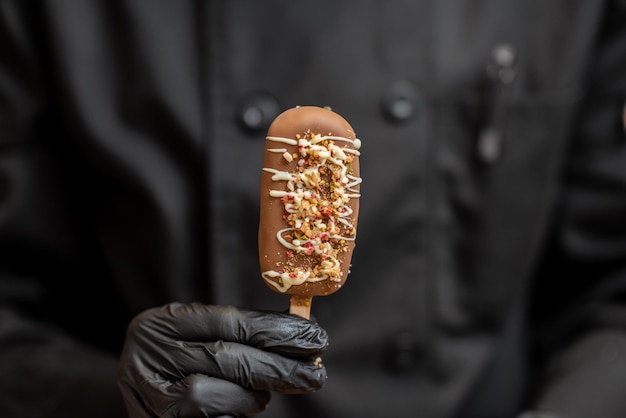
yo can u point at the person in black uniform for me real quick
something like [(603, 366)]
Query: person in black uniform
[(489, 275)]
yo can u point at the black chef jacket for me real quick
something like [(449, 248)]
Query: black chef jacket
[(490, 266)]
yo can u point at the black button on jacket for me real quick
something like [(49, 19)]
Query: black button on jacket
[(489, 275)]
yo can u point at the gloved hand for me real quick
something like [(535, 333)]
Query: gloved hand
[(193, 360)]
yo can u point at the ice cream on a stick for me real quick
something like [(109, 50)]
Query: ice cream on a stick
[(310, 190)]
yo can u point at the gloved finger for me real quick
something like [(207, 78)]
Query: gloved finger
[(204, 395), (241, 364), (197, 396), (273, 331), (260, 369)]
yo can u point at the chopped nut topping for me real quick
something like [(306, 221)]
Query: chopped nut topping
[(318, 202), (320, 224)]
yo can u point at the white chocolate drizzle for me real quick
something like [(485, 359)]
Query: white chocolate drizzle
[(316, 206)]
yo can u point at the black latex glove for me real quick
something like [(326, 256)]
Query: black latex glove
[(193, 360)]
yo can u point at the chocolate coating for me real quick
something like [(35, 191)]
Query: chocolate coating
[(273, 256)]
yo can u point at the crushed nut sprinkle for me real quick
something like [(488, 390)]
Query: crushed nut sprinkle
[(317, 212)]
